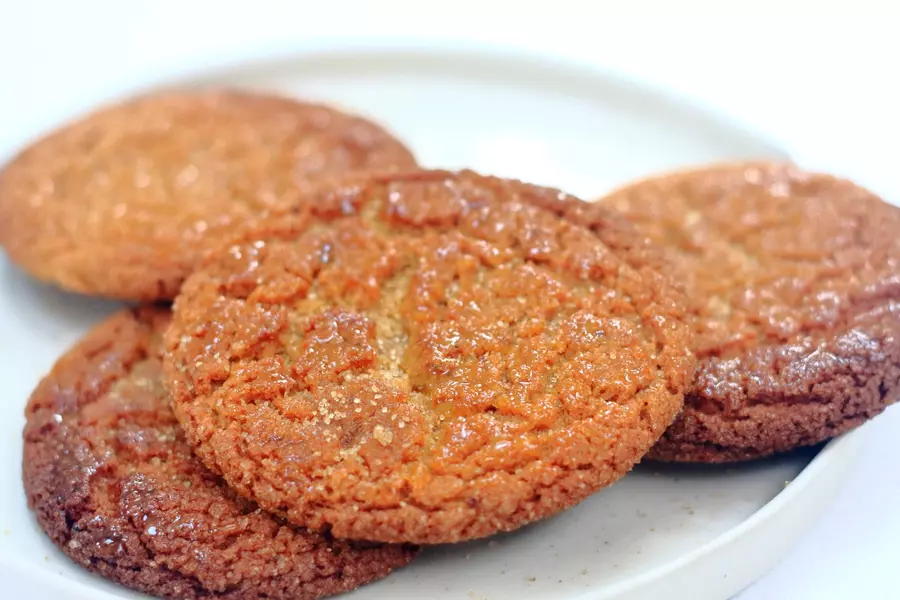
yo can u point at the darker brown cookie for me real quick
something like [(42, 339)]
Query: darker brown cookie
[(114, 485), (123, 202), (795, 279), (428, 358)]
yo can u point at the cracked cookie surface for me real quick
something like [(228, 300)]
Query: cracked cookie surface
[(795, 283), (427, 358), (113, 482), (123, 202)]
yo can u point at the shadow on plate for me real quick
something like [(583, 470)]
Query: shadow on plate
[(687, 470), (43, 308)]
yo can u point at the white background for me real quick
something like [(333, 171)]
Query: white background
[(821, 77)]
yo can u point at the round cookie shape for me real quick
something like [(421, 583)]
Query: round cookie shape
[(795, 283), (113, 483), (427, 358), (123, 202)]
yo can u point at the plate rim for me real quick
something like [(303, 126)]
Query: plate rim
[(245, 54)]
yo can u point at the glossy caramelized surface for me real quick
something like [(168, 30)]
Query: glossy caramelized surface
[(427, 357)]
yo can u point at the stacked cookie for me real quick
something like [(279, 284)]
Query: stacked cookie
[(363, 356), (794, 283)]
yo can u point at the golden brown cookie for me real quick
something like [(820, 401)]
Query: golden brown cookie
[(123, 202), (115, 486), (795, 281), (427, 358)]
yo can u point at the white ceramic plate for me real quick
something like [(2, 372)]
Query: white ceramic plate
[(674, 532)]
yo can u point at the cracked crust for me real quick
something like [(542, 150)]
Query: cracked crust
[(123, 202), (115, 486), (795, 279), (428, 358)]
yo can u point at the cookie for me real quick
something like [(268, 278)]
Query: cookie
[(795, 279), (426, 358), (114, 484), (123, 202)]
